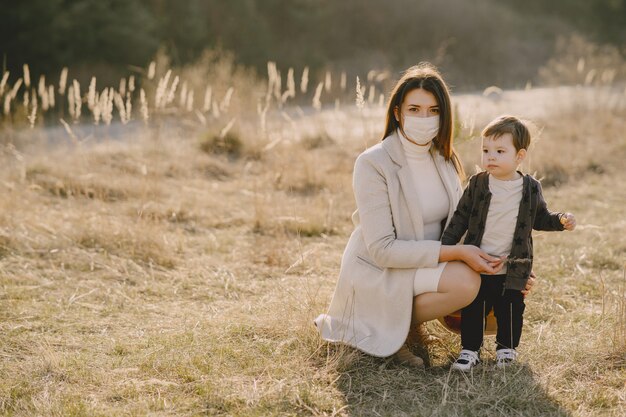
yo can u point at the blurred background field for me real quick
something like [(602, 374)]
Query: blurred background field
[(175, 182)]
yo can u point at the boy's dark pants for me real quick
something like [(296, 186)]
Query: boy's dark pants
[(508, 309)]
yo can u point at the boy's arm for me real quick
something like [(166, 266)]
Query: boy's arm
[(460, 220), (544, 218)]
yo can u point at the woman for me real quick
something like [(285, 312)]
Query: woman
[(395, 273)]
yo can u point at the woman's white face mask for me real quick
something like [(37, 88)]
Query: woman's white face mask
[(421, 130)]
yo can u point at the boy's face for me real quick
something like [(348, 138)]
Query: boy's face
[(500, 158)]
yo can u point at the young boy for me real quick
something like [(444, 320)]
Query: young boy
[(498, 210)]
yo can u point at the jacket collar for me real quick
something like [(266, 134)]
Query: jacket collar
[(393, 145), (483, 178)]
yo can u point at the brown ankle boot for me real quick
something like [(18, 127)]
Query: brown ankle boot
[(418, 340), (405, 356)]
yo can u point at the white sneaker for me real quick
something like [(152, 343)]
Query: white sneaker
[(466, 361), (504, 357)]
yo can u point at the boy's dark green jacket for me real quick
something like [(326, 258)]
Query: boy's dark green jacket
[(471, 215)]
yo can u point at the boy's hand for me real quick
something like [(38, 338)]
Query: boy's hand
[(529, 284), (499, 262), (568, 221)]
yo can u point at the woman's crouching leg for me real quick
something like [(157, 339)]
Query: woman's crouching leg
[(458, 286)]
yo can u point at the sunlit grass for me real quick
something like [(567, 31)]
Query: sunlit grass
[(162, 274)]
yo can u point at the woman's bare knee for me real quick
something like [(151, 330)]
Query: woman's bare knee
[(472, 283), (461, 279), (471, 289)]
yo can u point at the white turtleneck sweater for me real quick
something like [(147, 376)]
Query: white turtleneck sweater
[(433, 198), (502, 216)]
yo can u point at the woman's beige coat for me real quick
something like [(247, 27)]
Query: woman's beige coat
[(371, 307)]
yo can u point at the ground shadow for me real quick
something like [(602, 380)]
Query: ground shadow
[(374, 387)]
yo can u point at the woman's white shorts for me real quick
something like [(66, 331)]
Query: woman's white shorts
[(427, 279)]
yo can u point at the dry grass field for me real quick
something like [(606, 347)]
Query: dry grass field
[(174, 272)]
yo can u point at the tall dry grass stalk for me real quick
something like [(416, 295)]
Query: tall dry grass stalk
[(70, 101), (32, 116), (51, 98), (15, 88), (122, 87), (304, 80), (129, 106), (290, 92), (121, 108), (371, 94), (225, 103), (278, 86), (78, 101), (69, 131), (227, 128), (160, 97), (91, 94), (271, 77), (215, 110), (3, 82), (208, 95), (26, 70), (42, 91), (106, 105), (189, 104), (7, 105), (145, 115), (317, 102), (96, 107), (26, 100), (262, 113), (183, 95), (360, 99), (63, 81), (151, 70), (171, 94)]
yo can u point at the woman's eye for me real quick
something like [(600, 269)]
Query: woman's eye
[(500, 151), (485, 151), (434, 111)]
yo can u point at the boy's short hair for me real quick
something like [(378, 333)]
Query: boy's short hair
[(509, 124)]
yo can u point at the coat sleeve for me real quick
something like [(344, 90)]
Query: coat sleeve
[(545, 219), (379, 232), (460, 220)]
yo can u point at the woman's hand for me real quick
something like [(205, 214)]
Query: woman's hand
[(479, 260), (529, 285)]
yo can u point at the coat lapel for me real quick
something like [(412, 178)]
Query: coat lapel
[(393, 146), (450, 186)]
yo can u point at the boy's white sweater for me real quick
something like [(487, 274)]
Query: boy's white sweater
[(502, 217)]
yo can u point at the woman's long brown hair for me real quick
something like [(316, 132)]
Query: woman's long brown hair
[(425, 76)]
